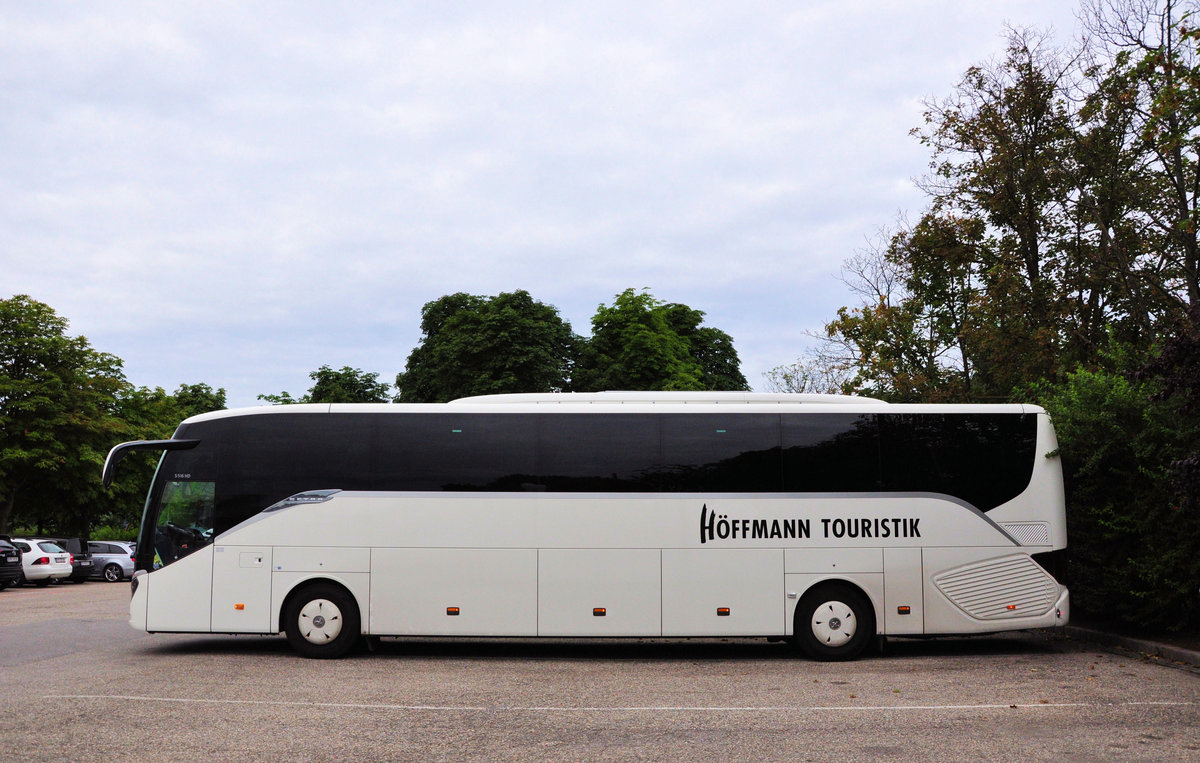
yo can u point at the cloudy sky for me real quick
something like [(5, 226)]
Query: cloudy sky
[(237, 193)]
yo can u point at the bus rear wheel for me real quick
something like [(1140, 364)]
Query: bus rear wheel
[(322, 621), (834, 621)]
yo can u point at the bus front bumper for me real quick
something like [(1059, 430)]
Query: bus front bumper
[(1062, 608)]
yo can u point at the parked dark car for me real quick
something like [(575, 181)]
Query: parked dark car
[(11, 573), (81, 558)]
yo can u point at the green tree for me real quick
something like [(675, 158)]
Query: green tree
[(475, 345), (972, 302), (1002, 153), (1033, 249), (57, 415), (1134, 533), (194, 399), (913, 337), (710, 347), (642, 343), (346, 385), (1151, 90)]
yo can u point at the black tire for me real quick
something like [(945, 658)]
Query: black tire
[(322, 621), (833, 622), (112, 573)]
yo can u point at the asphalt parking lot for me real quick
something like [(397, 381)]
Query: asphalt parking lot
[(76, 682)]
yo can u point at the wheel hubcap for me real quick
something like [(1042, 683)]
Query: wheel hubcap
[(320, 621), (834, 624)]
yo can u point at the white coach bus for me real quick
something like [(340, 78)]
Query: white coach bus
[(826, 520)]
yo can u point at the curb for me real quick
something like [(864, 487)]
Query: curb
[(1188, 657)]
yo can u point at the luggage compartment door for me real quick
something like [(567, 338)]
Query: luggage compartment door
[(599, 592)]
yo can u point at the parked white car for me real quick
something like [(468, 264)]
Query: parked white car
[(43, 561)]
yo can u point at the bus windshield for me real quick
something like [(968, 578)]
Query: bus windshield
[(185, 520)]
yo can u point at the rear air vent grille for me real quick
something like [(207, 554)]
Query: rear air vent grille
[(999, 589)]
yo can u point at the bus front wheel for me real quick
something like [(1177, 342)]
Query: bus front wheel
[(322, 621), (834, 621)]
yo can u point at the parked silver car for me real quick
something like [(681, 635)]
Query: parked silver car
[(113, 559)]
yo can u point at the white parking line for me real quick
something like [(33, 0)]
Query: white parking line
[(621, 709)]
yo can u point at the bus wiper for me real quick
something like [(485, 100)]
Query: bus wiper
[(120, 451)]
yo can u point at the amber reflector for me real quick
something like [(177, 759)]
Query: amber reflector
[(722, 611), (452, 611), (904, 610), (599, 612)]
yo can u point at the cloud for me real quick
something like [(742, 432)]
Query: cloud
[(238, 194)]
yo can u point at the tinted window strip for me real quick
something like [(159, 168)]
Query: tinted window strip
[(982, 459)]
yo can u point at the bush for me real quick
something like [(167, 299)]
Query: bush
[(114, 532), (1134, 546)]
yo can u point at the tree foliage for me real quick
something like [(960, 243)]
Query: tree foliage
[(194, 399), (345, 385), (57, 412), (472, 345), (1133, 530), (1152, 90), (642, 343), (1062, 210)]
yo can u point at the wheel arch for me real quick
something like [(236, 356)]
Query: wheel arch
[(824, 625), (287, 590), (869, 585)]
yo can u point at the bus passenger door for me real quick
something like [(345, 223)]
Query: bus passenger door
[(241, 591)]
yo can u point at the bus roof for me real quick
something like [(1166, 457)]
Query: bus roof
[(665, 398), (633, 402)]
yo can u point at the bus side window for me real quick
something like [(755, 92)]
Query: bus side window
[(830, 453)]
